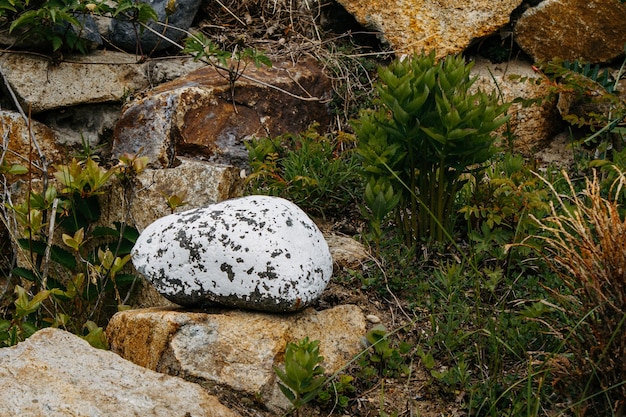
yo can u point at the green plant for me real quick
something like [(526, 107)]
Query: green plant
[(230, 65), (384, 359), (12, 169), (484, 328), (202, 48), (380, 199), (317, 172), (337, 392), (174, 201), (429, 132), (68, 286), (609, 171), (61, 23), (303, 375), (497, 208)]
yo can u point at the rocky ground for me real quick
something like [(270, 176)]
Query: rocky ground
[(412, 392)]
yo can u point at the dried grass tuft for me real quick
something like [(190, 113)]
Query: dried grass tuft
[(294, 29), (269, 25), (585, 243)]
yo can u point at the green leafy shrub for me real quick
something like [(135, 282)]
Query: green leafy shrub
[(337, 392), (485, 307), (484, 328), (69, 286), (61, 23), (428, 133), (384, 358), (229, 65), (317, 172), (497, 208), (303, 376)]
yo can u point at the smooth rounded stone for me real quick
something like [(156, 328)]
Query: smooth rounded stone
[(257, 252), (372, 318)]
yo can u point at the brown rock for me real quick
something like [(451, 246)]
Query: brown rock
[(231, 349), (588, 30), (446, 26), (194, 116), (57, 374), (22, 147), (346, 252), (531, 126)]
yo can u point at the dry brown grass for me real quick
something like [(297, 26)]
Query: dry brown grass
[(291, 30), (585, 243), (271, 25)]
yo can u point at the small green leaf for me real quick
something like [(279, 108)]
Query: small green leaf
[(57, 254), (95, 336), (17, 170), (427, 358), (287, 392), (102, 231), (25, 273), (29, 329), (24, 19), (4, 325), (125, 279), (57, 42)]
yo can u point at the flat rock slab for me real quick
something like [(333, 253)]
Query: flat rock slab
[(256, 252), (413, 26), (95, 78), (232, 349), (56, 374)]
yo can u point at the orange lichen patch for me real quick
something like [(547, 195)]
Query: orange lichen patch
[(447, 26), (23, 147), (592, 31)]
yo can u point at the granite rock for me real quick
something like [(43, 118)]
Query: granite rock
[(232, 353), (445, 26), (194, 116), (56, 374), (586, 30), (256, 252), (100, 77)]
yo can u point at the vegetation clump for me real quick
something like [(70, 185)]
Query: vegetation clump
[(427, 134), (517, 309), (70, 285)]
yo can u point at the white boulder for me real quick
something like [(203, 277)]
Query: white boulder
[(257, 252)]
